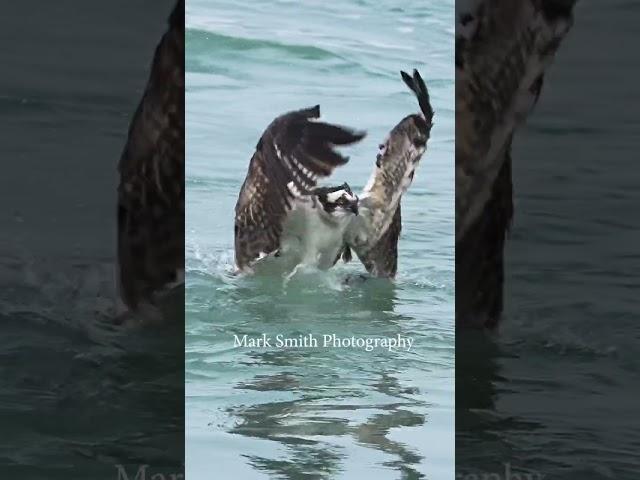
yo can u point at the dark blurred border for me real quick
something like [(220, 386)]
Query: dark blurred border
[(80, 397), (546, 393)]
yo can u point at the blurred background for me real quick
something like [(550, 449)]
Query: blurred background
[(77, 396), (553, 392)]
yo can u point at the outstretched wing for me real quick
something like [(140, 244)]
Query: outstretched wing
[(374, 233), (290, 156), (151, 190), (502, 50)]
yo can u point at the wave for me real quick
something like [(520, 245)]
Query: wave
[(202, 42)]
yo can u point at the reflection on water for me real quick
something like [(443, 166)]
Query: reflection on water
[(313, 416), (324, 406), (480, 384), (319, 406)]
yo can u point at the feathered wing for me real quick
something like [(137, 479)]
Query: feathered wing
[(374, 233), (502, 51), (151, 190), (293, 152), (382, 259), (480, 256)]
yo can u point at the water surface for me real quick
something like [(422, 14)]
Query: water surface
[(322, 412)]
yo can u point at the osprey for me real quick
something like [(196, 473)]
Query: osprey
[(151, 190), (283, 219), (503, 49)]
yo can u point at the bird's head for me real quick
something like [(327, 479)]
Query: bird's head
[(338, 202)]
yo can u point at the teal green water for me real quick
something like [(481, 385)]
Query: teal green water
[(78, 395), (307, 413)]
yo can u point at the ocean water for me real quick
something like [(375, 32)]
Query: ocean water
[(554, 392), (324, 412), (77, 395)]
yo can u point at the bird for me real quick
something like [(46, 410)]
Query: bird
[(150, 197), (503, 50), (283, 218)]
